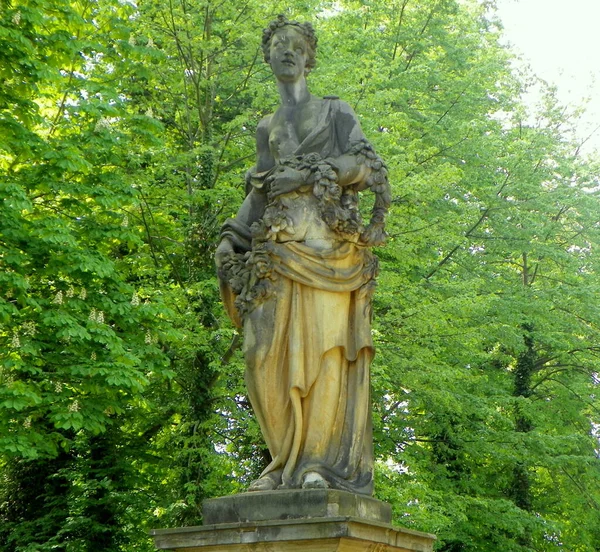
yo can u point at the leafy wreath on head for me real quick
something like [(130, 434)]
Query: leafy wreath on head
[(305, 29)]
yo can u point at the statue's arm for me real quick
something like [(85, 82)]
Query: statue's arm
[(254, 205), (359, 165), (264, 157), (235, 235), (350, 167)]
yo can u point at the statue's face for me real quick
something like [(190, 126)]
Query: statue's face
[(288, 54)]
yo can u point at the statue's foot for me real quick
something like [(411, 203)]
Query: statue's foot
[(314, 480), (262, 484)]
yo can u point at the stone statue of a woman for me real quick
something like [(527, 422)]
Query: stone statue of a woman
[(297, 273)]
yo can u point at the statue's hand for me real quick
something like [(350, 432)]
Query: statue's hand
[(224, 250), (285, 180)]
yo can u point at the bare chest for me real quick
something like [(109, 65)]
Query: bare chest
[(290, 126)]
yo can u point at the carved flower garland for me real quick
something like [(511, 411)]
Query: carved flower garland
[(251, 274)]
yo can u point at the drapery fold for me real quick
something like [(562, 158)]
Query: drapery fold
[(308, 349)]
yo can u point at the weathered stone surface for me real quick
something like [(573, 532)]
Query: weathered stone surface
[(296, 271), (339, 534), (294, 504)]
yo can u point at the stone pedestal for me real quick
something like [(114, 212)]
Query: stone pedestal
[(294, 521)]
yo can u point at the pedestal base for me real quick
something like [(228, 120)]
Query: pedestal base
[(303, 520), (294, 504)]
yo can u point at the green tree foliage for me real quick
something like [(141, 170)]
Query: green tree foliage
[(79, 346), (125, 131)]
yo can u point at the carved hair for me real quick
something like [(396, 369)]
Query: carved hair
[(305, 29)]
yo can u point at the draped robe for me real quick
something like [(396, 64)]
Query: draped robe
[(307, 343)]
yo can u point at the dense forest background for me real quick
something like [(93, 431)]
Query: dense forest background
[(125, 132)]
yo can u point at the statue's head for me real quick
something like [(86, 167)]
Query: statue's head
[(304, 29)]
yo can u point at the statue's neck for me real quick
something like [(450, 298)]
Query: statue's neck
[(293, 93)]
